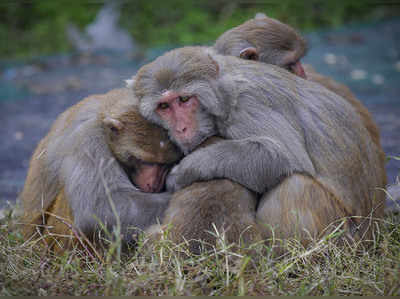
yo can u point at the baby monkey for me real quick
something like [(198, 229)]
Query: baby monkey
[(93, 153)]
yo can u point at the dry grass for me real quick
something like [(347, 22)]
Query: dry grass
[(164, 268)]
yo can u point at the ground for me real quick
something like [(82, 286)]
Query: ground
[(366, 57)]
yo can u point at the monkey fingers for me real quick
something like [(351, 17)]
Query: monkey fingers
[(188, 171)]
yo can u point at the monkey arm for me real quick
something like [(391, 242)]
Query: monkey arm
[(93, 178), (258, 163), (90, 194)]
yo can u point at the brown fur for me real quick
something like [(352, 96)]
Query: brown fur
[(303, 208), (275, 42), (59, 219), (44, 194), (199, 213)]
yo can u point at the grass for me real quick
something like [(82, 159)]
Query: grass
[(163, 268)]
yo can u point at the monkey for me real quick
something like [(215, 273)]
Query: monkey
[(267, 40), (301, 147), (270, 41), (98, 150)]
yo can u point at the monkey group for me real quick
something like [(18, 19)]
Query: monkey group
[(271, 150)]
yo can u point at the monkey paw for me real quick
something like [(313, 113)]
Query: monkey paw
[(181, 177), (173, 179), (192, 168)]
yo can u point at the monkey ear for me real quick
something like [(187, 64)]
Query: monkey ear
[(215, 64), (249, 54), (130, 82), (113, 124), (260, 16)]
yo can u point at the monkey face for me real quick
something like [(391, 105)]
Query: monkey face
[(184, 118), (173, 92), (142, 149), (266, 40), (149, 177), (179, 112)]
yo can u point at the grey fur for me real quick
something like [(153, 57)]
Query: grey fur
[(96, 164), (75, 157), (276, 123)]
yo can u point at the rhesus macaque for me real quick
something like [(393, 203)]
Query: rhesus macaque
[(97, 151), (267, 40), (301, 146), (197, 210)]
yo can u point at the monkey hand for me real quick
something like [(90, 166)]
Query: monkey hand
[(171, 182), (177, 179), (191, 169)]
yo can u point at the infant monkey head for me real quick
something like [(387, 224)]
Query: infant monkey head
[(266, 40), (143, 150)]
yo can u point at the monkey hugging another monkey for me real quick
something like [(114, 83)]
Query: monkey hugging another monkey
[(295, 159), (102, 150), (297, 202), (301, 147)]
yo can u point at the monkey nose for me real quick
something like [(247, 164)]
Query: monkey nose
[(298, 69), (149, 188), (182, 130)]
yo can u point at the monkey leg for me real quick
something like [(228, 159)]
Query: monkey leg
[(31, 223), (53, 226), (299, 207), (59, 221), (194, 210)]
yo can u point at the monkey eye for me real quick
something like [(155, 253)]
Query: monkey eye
[(290, 66), (163, 106), (184, 99), (114, 130)]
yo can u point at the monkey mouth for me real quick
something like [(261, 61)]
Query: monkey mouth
[(157, 185)]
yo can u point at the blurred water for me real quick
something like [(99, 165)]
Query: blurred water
[(364, 57)]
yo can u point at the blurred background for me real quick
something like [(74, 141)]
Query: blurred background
[(54, 53)]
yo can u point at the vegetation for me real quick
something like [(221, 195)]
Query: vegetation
[(32, 27), (164, 268)]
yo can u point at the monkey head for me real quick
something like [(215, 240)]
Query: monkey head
[(177, 92), (267, 40), (142, 149)]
